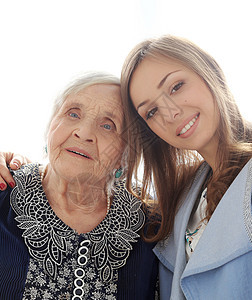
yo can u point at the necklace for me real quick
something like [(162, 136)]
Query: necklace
[(42, 175), (108, 201)]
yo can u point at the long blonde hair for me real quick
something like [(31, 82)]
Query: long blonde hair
[(171, 168)]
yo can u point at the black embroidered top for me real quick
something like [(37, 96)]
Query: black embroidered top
[(65, 265)]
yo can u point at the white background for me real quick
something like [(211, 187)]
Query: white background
[(46, 43)]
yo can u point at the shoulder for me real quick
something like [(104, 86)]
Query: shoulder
[(247, 202), (27, 178), (147, 211), (149, 208), (122, 194), (27, 170)]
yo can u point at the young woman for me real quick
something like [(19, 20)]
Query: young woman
[(198, 154)]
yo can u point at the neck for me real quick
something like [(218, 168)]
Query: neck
[(81, 205), (210, 156), (211, 161)]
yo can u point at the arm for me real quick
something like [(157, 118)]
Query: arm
[(14, 161)]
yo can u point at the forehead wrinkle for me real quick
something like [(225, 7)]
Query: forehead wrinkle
[(91, 99), (75, 104)]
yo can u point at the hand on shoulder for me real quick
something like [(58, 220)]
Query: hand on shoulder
[(14, 161)]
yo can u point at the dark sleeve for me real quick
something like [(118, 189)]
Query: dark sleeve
[(138, 278), (14, 257)]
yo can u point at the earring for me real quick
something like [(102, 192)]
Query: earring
[(46, 149), (118, 173)]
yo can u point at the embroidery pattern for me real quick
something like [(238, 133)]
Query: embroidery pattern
[(44, 233), (50, 241), (111, 240), (40, 286)]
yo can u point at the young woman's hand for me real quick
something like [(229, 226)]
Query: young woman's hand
[(14, 161)]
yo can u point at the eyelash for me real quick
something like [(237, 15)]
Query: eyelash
[(151, 113), (112, 126), (177, 87), (73, 113)]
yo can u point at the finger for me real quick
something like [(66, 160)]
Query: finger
[(5, 175), (15, 164), (3, 184), (5, 178), (17, 161)]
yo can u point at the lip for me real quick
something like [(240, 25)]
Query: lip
[(73, 150), (186, 121)]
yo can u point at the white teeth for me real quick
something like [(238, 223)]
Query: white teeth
[(189, 125), (79, 153)]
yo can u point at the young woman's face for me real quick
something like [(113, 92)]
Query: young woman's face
[(84, 136), (176, 104)]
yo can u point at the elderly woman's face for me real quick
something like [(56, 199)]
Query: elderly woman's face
[(84, 136)]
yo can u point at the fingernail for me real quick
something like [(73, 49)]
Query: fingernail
[(16, 164), (11, 184), (2, 186)]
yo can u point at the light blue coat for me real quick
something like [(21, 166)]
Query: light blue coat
[(221, 265)]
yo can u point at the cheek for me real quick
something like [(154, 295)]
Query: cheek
[(162, 130), (110, 151), (56, 135)]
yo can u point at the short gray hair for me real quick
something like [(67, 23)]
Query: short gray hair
[(78, 84)]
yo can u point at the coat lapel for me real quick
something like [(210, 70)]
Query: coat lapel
[(171, 252), (232, 220), (227, 221)]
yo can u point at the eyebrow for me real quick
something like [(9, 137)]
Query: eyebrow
[(113, 116), (161, 83), (107, 113), (74, 104)]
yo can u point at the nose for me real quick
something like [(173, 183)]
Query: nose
[(168, 109), (86, 131)]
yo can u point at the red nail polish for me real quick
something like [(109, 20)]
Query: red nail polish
[(11, 184), (2, 186)]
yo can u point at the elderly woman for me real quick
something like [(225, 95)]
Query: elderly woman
[(70, 230)]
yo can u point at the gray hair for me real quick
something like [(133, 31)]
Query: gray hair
[(78, 84)]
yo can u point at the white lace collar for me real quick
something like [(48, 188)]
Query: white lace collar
[(46, 236)]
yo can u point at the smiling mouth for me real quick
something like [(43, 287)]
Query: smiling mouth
[(188, 125), (78, 153)]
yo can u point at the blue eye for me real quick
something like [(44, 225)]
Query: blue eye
[(107, 126), (74, 115)]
